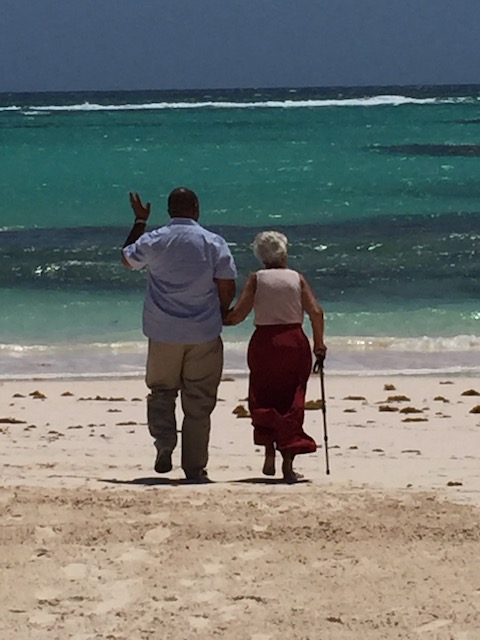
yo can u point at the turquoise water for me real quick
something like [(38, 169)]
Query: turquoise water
[(377, 190)]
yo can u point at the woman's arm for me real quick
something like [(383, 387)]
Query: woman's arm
[(244, 303), (315, 313)]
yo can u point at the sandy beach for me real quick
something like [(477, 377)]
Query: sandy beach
[(96, 545)]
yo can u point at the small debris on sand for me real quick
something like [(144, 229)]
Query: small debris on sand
[(37, 395), (411, 410), (241, 412), (398, 399), (100, 398), (314, 404)]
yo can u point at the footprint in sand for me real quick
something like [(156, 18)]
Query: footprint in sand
[(199, 622), (253, 554), (258, 528), (160, 516), (135, 555), (431, 626), (118, 594), (212, 568), (48, 596), (208, 596), (43, 619), (156, 535), (42, 534), (185, 582), (75, 571)]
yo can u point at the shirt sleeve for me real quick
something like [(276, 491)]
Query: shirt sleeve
[(137, 253), (224, 268)]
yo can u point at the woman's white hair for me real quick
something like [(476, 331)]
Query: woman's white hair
[(270, 247)]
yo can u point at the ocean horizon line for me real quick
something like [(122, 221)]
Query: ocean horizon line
[(334, 87)]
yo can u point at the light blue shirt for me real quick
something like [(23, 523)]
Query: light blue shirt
[(181, 300)]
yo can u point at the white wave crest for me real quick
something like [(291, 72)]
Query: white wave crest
[(62, 348), (422, 344), (371, 101), (457, 355)]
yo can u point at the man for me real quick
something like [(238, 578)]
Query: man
[(190, 284)]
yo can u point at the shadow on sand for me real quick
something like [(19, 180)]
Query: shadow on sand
[(174, 482), (262, 480), (152, 481)]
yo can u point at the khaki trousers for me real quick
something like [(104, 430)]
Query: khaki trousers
[(194, 370)]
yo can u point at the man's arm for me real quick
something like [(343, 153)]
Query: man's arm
[(226, 293), (244, 304), (141, 212)]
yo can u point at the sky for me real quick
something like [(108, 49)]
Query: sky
[(68, 45)]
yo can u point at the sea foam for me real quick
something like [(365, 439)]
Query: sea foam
[(458, 355), (370, 101)]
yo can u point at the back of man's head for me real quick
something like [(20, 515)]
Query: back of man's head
[(183, 203)]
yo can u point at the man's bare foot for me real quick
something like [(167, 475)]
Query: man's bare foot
[(269, 466)]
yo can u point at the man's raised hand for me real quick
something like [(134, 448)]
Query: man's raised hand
[(140, 210)]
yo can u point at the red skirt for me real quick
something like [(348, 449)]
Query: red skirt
[(280, 362)]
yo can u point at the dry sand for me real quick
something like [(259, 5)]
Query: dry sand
[(95, 545)]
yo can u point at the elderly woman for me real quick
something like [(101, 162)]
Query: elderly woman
[(279, 355)]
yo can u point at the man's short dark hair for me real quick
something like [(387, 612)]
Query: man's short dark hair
[(182, 202)]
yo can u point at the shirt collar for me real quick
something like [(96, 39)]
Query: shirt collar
[(178, 220)]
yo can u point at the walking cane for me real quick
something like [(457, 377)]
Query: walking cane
[(318, 368)]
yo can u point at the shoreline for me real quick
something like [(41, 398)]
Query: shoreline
[(233, 373), (128, 360)]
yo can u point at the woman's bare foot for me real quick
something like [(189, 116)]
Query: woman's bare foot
[(292, 477), (289, 475), (269, 464)]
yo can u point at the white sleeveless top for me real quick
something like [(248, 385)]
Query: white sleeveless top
[(278, 298)]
